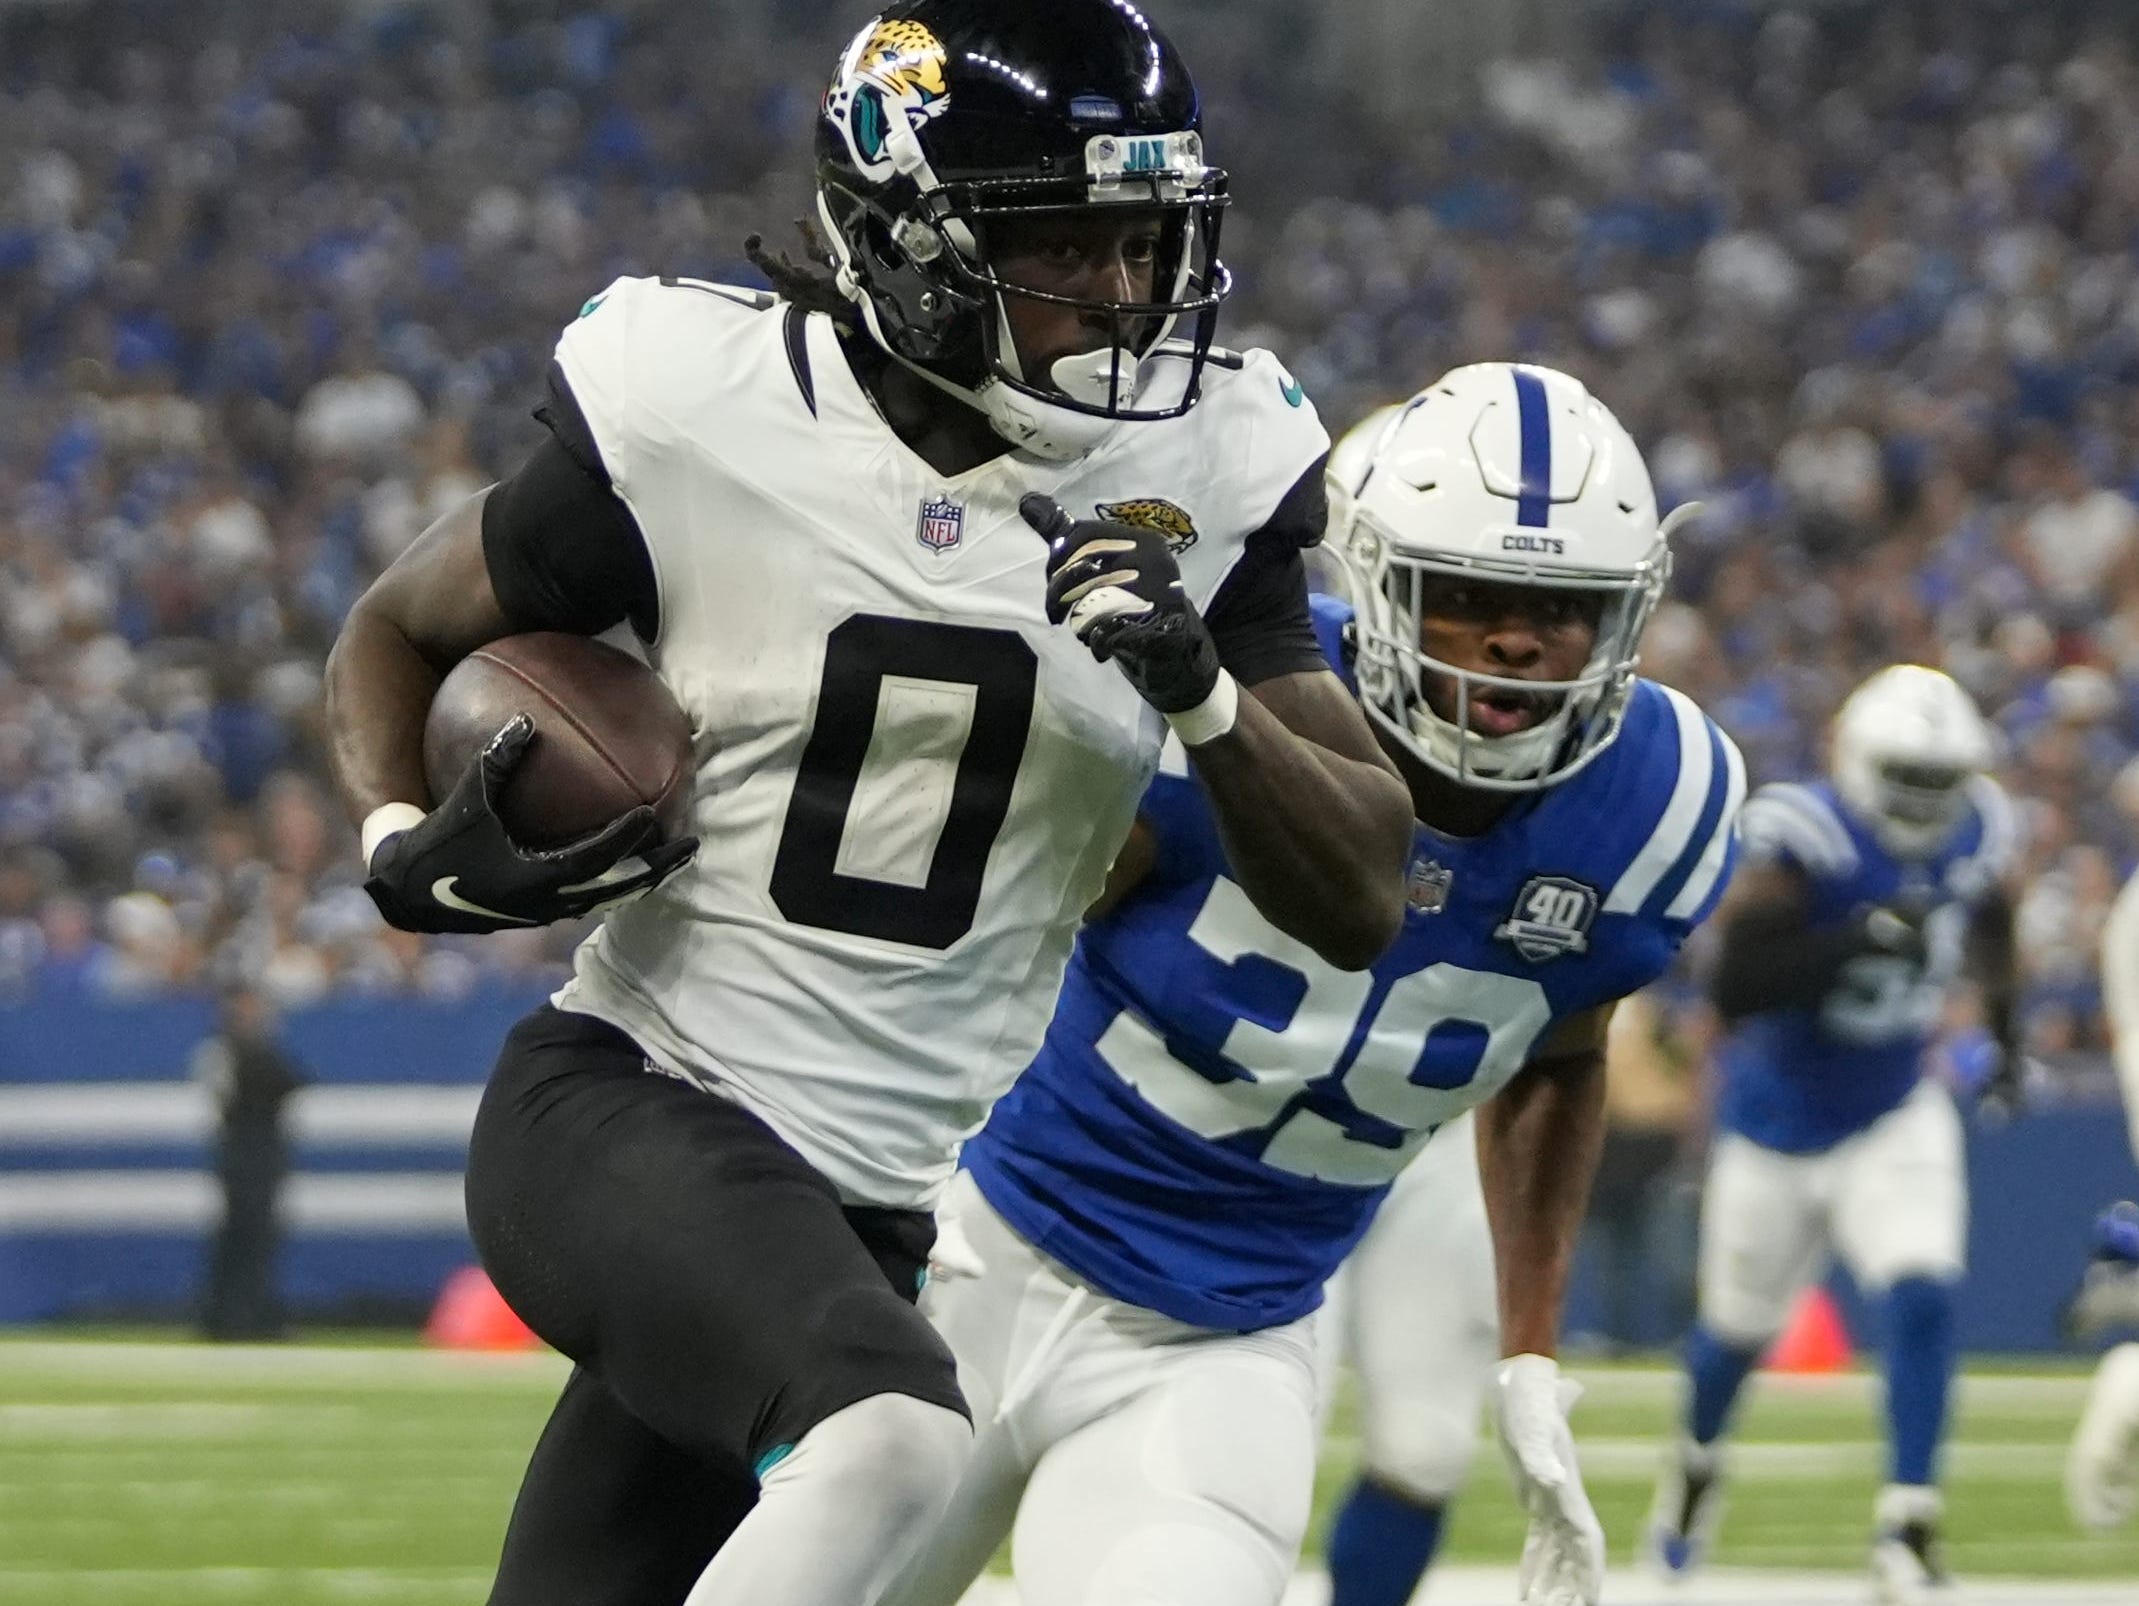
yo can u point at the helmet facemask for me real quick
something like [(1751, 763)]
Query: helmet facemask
[(1926, 798), (916, 258), (1912, 806)]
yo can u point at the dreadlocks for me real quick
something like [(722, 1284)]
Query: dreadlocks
[(809, 283)]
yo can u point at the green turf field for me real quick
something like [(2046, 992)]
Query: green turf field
[(184, 1476)]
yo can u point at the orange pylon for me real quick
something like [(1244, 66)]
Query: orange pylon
[(472, 1314), (1813, 1339)]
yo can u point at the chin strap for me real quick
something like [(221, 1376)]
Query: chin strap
[(1027, 423)]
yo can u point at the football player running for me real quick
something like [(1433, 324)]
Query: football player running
[(1132, 1257), (1864, 900), (2102, 1470), (704, 1173)]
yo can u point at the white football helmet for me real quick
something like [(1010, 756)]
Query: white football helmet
[(1329, 565), (1350, 459), (1906, 744), (1517, 475)]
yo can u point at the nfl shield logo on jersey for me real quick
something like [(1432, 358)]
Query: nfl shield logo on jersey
[(1551, 917), (942, 526), (1426, 887)]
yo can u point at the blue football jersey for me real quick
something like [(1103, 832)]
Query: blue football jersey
[(1800, 1080), (1215, 1112)]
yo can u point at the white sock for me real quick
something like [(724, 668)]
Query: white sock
[(1902, 1503), (839, 1516)]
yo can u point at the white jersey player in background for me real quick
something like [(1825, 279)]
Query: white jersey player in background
[(2102, 1471), (704, 1172), (1133, 1260)]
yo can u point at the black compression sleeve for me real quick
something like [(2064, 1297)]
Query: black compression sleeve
[(564, 552), (1259, 619)]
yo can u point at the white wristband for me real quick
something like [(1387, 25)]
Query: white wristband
[(1211, 718), (383, 821)]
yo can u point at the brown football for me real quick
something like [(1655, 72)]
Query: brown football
[(608, 736)]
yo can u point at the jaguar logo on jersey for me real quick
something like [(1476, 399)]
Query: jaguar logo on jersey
[(891, 78), (1426, 887), (942, 525), (1551, 917), (1152, 513)]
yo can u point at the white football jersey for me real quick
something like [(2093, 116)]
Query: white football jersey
[(910, 784)]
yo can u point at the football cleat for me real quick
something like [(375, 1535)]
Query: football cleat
[(1687, 1509), (1907, 1568)]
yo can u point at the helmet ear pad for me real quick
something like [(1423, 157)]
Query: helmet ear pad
[(924, 314)]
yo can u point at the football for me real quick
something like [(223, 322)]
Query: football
[(608, 736)]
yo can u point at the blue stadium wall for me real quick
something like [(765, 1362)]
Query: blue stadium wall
[(106, 1201)]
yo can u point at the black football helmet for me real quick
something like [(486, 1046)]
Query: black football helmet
[(948, 116)]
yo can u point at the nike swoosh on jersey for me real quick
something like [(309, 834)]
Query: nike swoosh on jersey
[(1291, 391), (445, 893)]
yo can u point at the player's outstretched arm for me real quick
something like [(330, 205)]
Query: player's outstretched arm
[(1315, 821), (1316, 824)]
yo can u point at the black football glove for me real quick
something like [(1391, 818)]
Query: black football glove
[(1120, 590), (457, 870)]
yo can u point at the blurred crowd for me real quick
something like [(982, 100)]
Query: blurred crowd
[(277, 287)]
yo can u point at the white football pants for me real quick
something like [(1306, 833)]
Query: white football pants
[(1892, 1202), (1132, 1459), (1416, 1315), (2102, 1468)]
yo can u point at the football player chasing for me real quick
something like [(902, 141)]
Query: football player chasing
[(1131, 1260), (1864, 901), (934, 550)]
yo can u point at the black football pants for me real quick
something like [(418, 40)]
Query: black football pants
[(716, 1298)]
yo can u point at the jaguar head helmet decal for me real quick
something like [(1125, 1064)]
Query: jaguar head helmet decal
[(891, 81)]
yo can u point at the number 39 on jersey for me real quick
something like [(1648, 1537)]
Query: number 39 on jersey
[(1271, 1098)]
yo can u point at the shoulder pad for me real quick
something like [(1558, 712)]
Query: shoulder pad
[(644, 349), (1788, 823), (1683, 792), (1256, 417)]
